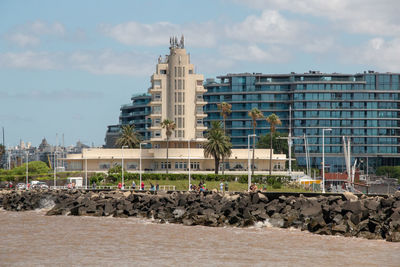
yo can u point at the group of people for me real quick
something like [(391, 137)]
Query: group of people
[(152, 186), (254, 187), (224, 186)]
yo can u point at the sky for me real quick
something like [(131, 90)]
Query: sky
[(66, 67)]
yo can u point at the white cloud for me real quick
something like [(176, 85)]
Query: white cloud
[(23, 40), (32, 33), (270, 27), (377, 54), (30, 60), (355, 16), (253, 53), (109, 62), (158, 34)]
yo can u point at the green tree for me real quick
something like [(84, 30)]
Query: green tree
[(225, 109), (255, 115), (128, 137), (218, 144), (273, 120), (2, 152), (169, 126), (280, 145), (34, 167)]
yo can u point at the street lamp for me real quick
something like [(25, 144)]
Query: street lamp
[(189, 160), (249, 164), (27, 170), (86, 173), (122, 162), (140, 164), (54, 167), (323, 157)]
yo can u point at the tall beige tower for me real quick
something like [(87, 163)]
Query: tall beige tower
[(177, 94)]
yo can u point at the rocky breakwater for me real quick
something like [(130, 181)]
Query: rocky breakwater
[(347, 215)]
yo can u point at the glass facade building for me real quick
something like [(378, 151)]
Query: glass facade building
[(364, 107), (134, 113)]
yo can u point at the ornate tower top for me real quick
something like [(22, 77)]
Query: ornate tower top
[(173, 41)]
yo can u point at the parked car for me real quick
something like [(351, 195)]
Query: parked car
[(21, 186), (39, 185)]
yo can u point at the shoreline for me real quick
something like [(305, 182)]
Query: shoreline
[(346, 215)]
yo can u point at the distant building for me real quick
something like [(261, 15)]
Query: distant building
[(154, 159), (135, 113), (363, 106), (177, 94)]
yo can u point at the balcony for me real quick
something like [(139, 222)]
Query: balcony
[(155, 102), (200, 89)]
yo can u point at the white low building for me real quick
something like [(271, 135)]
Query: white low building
[(155, 160)]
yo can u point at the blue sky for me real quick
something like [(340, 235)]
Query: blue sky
[(67, 66)]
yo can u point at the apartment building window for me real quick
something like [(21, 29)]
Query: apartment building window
[(179, 84), (183, 72), (163, 71), (183, 84), (132, 166), (199, 121), (164, 165), (179, 122), (190, 71), (157, 134), (175, 72), (179, 72), (199, 110), (157, 122), (175, 85), (157, 83), (157, 110), (104, 166), (199, 83), (157, 97)]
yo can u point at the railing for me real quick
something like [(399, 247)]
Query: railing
[(114, 187)]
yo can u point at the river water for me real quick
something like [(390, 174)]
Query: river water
[(32, 239)]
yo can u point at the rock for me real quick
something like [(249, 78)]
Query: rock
[(393, 237), (350, 196), (312, 211), (353, 206), (371, 204)]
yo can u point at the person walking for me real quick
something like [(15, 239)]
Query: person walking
[(226, 186), (119, 185), (142, 186), (221, 186), (133, 185)]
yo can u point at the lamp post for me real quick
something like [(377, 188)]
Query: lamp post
[(249, 163), (140, 164), (27, 169), (86, 173), (190, 180), (122, 162), (54, 167), (323, 157)]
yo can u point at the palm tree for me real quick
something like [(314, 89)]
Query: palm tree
[(273, 120), (225, 109), (169, 126), (218, 144), (255, 114), (128, 137)]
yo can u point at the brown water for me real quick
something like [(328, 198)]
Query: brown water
[(32, 239)]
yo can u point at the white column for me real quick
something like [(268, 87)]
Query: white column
[(323, 158), (189, 162), (122, 162), (27, 168), (249, 163)]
